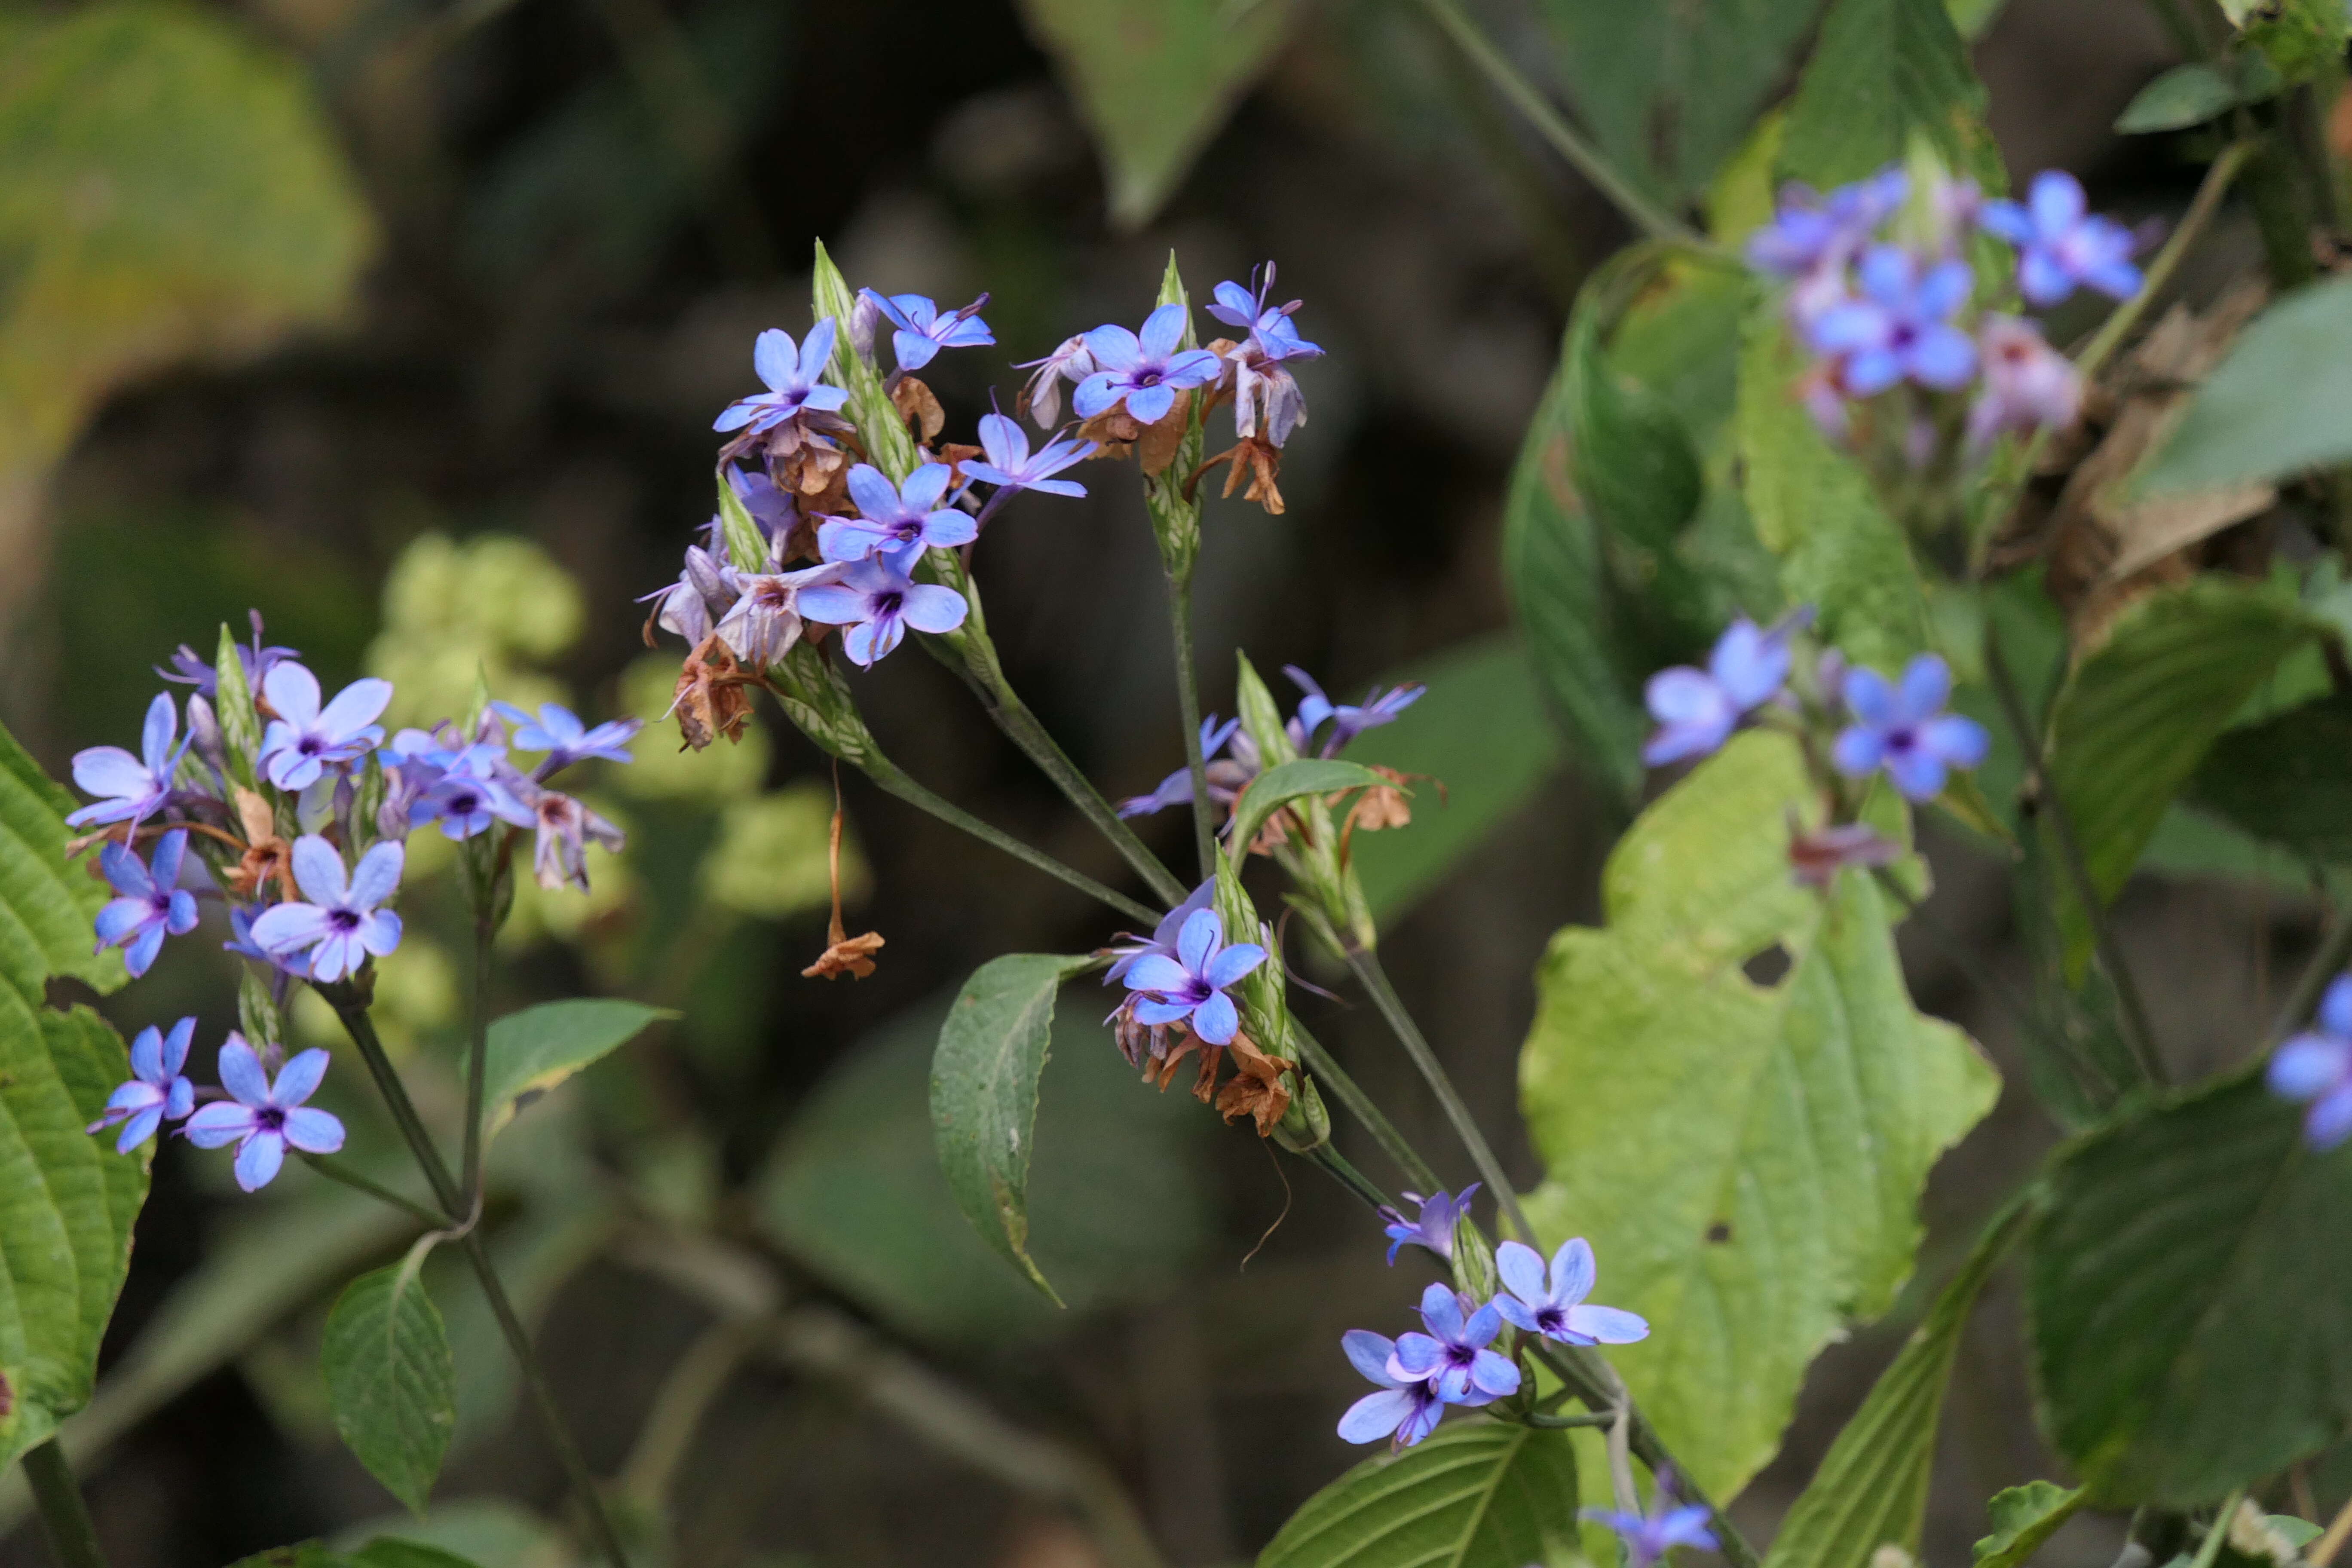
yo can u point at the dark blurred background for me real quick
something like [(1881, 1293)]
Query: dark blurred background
[(581, 213)]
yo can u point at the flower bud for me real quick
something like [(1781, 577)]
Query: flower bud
[(204, 733), (1307, 1125)]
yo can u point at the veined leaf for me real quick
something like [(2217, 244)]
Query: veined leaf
[(1474, 1494), (2191, 1296), (1747, 1160), (2283, 782), (984, 1077), (2192, 94), (2274, 405), (390, 1381), (2023, 1519), (531, 1051), (1884, 72), (1278, 786)]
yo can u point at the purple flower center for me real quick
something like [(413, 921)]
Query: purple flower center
[(465, 803), (310, 745), (887, 604), (1902, 741), (1551, 1319), (1460, 1355), (269, 1119), (343, 919), (1145, 377)]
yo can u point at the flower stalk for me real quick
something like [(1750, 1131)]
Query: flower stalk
[(73, 1537)]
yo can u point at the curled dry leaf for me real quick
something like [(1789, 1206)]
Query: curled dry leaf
[(710, 700), (920, 407)]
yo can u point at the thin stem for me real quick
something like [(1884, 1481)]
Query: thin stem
[(1188, 702), (2324, 1550), (73, 1539), (1585, 158), (892, 779), (2209, 1551), (478, 1058), (1590, 1418), (2201, 208), (1351, 1094), (335, 1170), (2140, 1036), (353, 1011), (692, 1385), (1350, 1177), (2313, 982), (1375, 981)]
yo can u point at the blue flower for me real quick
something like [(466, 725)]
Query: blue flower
[(877, 601), (135, 788), (190, 668), (341, 925), (1454, 1353), (1144, 372), (158, 1091), (1697, 709), (1043, 391), (152, 903), (1348, 719), (2059, 245), (1405, 1409), (922, 332), (1809, 231), (1273, 337), (1905, 730), (1554, 1306), (1162, 939), (1189, 986), (469, 794), (558, 731), (305, 739), (705, 587), (262, 1117), (1011, 465), (1440, 1212), (1900, 328), (791, 376), (240, 941), (2316, 1068), (902, 517), (1668, 1524), (1176, 789)]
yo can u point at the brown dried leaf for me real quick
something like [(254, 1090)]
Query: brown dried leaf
[(1256, 1089), (710, 700), (851, 955), (1156, 444), (920, 407)]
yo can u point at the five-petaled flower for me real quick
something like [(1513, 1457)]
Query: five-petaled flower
[(1176, 789), (1348, 719), (157, 1092), (922, 332), (1273, 335), (1144, 372), (1554, 1306), (152, 904), (305, 739), (877, 601), (2060, 246), (1189, 986), (1440, 1212), (2316, 1067), (1455, 1354), (1901, 327), (133, 788), (896, 517), (341, 925), (1904, 729), (791, 373), (1668, 1524), (470, 792), (558, 731), (1405, 1409), (1010, 464), (1697, 709), (1809, 231), (262, 1117)]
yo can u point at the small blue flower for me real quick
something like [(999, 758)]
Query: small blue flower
[(902, 517), (305, 739), (1554, 1306), (922, 332), (135, 788), (1042, 392), (158, 1090), (1454, 1353), (470, 792), (877, 601), (791, 376), (262, 1117), (2059, 245), (705, 587), (1697, 709), (1272, 336), (152, 903), (1405, 1409), (1905, 730), (341, 925), (190, 668), (1900, 328), (1809, 231), (1162, 939), (240, 941), (558, 731), (1188, 987), (2316, 1068), (1144, 372), (1011, 465), (1348, 719), (1176, 789), (1668, 1524), (1440, 1212)]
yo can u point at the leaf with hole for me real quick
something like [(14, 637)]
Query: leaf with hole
[(1474, 1494), (392, 1384)]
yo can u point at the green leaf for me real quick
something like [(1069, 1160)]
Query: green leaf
[(2023, 1519), (1814, 508), (1745, 1159), (1885, 72), (1474, 1494), (1483, 736), (390, 1381), (66, 1199), (1871, 1488), (2284, 781), (302, 1555), (1278, 786), (2274, 405), (1634, 464), (2192, 94), (532, 1051), (745, 548), (2191, 1296), (984, 1077), (386, 1551), (1154, 79)]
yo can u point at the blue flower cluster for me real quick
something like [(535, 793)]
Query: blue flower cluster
[(1232, 757), (301, 831), (2315, 1068)]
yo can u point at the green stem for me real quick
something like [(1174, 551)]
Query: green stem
[(1350, 1177), (335, 1170), (2210, 1551), (1188, 702), (1375, 981), (351, 1008), (73, 1539), (1028, 732), (477, 1061), (1565, 1423), (1585, 158), (2191, 228), (2324, 964), (1351, 1094)]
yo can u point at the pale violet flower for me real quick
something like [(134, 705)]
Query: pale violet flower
[(1404, 1410), (133, 788), (341, 925), (263, 1118), (1553, 1305), (791, 371), (305, 739), (158, 1090)]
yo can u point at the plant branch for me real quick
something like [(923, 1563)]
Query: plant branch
[(335, 1170), (2324, 1550), (693, 1385), (478, 1058), (2334, 953), (1351, 1094), (2209, 1551), (73, 1539), (2191, 228), (1188, 702)]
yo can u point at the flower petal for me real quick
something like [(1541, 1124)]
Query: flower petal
[(1375, 1415), (1522, 1270), (223, 1122), (1369, 1353), (1573, 1271), (1215, 1020), (1608, 1325), (312, 1130), (929, 607), (1162, 330), (378, 875), (1233, 963), (319, 870), (1441, 1310), (300, 1079), (355, 708), (112, 771), (258, 1162), (288, 928), (293, 693)]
